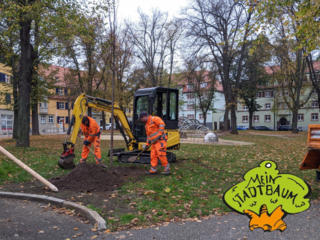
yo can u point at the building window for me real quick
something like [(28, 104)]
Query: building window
[(285, 105), (268, 94), (43, 105), (190, 96), (268, 106), (60, 91), (314, 116), (190, 107), (189, 87), (51, 119), (258, 94), (267, 118), (7, 78), (314, 104), (300, 117), (43, 119), (203, 85), (8, 98), (244, 119), (256, 118), (61, 105), (286, 93), (245, 108), (201, 116), (190, 116), (6, 122)]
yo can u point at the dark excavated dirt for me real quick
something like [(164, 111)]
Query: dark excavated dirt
[(93, 178)]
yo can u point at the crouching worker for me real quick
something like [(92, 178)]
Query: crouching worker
[(157, 137), (91, 131)]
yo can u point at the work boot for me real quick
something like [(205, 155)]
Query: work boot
[(82, 161), (166, 169), (166, 172)]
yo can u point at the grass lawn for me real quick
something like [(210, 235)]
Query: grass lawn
[(199, 178)]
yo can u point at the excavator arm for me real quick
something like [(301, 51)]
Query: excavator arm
[(84, 101)]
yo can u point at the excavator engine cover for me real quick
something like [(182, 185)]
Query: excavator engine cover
[(144, 158), (66, 160)]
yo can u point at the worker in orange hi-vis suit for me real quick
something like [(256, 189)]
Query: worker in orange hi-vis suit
[(91, 131), (156, 135)]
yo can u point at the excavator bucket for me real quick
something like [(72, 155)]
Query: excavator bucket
[(312, 158), (66, 160), (144, 158)]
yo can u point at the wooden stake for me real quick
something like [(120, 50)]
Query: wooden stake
[(29, 170)]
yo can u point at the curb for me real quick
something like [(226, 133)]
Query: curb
[(92, 215)]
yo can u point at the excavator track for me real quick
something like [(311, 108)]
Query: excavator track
[(144, 158)]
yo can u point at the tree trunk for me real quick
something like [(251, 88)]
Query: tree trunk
[(25, 77), (225, 119), (233, 120), (250, 119), (205, 119), (295, 121), (103, 121), (15, 100), (35, 119)]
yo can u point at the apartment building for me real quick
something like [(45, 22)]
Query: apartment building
[(6, 108)]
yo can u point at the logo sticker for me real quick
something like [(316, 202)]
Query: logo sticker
[(266, 196)]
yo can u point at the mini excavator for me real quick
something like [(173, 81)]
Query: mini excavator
[(158, 101)]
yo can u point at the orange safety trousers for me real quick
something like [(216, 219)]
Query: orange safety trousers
[(96, 144), (158, 150)]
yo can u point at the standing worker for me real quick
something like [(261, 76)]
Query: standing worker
[(91, 131), (156, 135)]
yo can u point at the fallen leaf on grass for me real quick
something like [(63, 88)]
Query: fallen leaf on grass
[(149, 192), (167, 190), (135, 220)]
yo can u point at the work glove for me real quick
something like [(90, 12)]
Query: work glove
[(86, 142), (146, 147)]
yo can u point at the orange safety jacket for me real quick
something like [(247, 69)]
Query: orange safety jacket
[(90, 131), (155, 128)]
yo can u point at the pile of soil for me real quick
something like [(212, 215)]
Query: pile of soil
[(93, 178)]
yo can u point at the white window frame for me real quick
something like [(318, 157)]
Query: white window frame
[(313, 117), (60, 91), (190, 116), (267, 105), (4, 122), (51, 119), (43, 119), (190, 107), (314, 104), (268, 94), (269, 118), (256, 118), (245, 119), (7, 78), (61, 104), (189, 87), (245, 108), (300, 119), (203, 85)]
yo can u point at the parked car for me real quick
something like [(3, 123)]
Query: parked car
[(262, 128), (108, 126), (242, 127), (285, 128)]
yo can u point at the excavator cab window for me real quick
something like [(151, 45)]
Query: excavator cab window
[(159, 101)]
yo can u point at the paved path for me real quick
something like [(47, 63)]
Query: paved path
[(22, 220)]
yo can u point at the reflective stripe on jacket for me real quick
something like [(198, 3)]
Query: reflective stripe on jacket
[(90, 131), (154, 128)]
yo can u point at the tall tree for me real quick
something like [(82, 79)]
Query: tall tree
[(220, 29), (55, 15)]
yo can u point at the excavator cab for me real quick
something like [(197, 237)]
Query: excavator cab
[(158, 101)]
